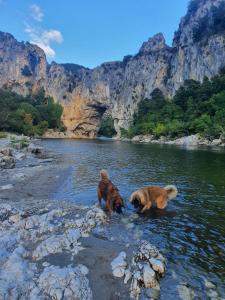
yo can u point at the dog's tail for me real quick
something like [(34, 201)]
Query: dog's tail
[(104, 175), (171, 191)]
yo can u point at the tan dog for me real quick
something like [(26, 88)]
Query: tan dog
[(153, 196), (109, 192)]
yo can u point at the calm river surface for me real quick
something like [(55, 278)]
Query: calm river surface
[(191, 231)]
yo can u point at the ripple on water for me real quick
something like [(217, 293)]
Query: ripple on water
[(191, 231)]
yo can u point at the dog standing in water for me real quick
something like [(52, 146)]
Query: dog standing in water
[(153, 196), (109, 192)]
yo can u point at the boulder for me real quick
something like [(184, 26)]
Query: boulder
[(6, 151), (149, 277), (7, 162), (157, 265)]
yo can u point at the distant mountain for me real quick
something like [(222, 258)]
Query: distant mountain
[(115, 88)]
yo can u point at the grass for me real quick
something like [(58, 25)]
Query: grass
[(3, 135)]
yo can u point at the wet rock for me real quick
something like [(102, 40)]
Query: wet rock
[(68, 283), (185, 292), (7, 162), (35, 149), (157, 265), (146, 251), (152, 293), (6, 151), (128, 275), (135, 289), (19, 155), (212, 294), (209, 284), (119, 265), (149, 277), (141, 271)]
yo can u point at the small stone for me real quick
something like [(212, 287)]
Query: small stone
[(15, 218), (118, 272), (209, 284)]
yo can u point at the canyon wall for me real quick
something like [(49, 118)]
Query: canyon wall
[(115, 88)]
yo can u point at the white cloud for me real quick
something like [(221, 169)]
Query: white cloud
[(36, 12), (43, 38)]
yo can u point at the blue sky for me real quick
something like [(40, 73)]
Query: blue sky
[(89, 32)]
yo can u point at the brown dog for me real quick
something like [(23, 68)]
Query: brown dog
[(153, 196), (109, 192)]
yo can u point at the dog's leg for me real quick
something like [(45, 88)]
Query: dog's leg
[(109, 205), (161, 202), (99, 197), (146, 207)]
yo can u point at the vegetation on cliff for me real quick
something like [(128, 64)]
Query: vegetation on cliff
[(30, 115), (195, 108), (107, 127)]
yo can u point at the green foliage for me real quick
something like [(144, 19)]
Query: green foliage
[(107, 127), (195, 108), (31, 115), (19, 143), (3, 135)]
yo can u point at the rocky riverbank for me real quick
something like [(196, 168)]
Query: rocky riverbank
[(49, 249), (191, 140)]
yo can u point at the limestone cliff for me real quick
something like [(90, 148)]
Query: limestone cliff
[(198, 50)]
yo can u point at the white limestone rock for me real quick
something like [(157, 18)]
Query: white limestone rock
[(56, 282), (149, 277), (157, 265)]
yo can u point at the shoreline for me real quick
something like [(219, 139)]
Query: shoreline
[(189, 141), (45, 240)]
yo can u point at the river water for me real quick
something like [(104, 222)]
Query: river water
[(190, 231)]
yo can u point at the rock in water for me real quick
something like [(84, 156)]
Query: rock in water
[(119, 265), (7, 162), (149, 277)]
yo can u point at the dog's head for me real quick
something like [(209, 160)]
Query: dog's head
[(135, 200), (118, 204)]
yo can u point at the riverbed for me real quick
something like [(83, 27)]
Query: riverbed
[(190, 232)]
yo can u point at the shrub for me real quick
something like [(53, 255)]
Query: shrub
[(107, 127), (195, 108), (31, 115)]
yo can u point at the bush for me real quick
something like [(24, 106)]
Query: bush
[(3, 135), (195, 108), (107, 128), (31, 115)]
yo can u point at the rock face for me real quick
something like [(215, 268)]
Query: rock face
[(115, 88)]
